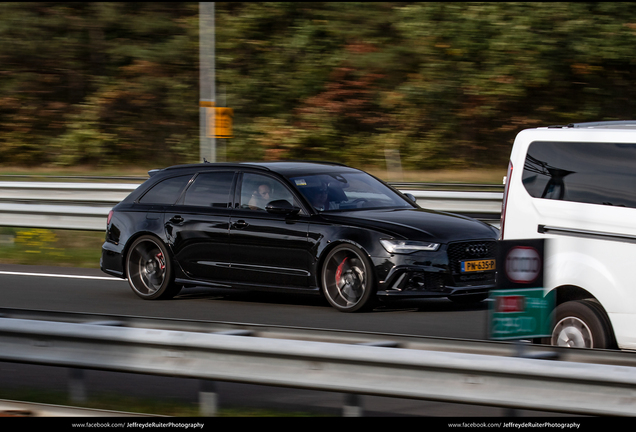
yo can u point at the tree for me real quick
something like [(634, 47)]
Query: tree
[(441, 84)]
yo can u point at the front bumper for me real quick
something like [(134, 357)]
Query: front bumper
[(407, 281), (438, 274)]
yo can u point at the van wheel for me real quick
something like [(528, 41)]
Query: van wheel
[(581, 324)]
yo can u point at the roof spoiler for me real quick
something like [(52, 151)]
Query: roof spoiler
[(152, 172)]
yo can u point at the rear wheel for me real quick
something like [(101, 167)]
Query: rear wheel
[(581, 324), (149, 269), (347, 281)]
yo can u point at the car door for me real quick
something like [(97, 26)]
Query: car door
[(198, 226), (266, 248), (156, 200)]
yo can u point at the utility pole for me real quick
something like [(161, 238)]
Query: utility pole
[(207, 101)]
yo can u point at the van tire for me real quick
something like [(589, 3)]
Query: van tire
[(581, 324)]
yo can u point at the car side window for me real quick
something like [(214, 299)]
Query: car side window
[(258, 190), (167, 191), (211, 189)]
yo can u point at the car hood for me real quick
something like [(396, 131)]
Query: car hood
[(416, 224)]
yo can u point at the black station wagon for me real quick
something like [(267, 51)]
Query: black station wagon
[(293, 226)]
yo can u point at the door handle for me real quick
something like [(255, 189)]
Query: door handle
[(176, 219), (240, 224)]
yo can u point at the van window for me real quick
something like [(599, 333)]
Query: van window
[(593, 173)]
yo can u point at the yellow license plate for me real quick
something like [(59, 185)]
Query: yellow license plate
[(478, 265)]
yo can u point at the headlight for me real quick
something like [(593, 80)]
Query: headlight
[(407, 246)]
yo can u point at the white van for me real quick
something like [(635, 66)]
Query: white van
[(576, 185)]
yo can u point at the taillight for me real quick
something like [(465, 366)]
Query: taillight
[(505, 199), (110, 216)]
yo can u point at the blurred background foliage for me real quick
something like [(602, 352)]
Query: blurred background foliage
[(442, 85)]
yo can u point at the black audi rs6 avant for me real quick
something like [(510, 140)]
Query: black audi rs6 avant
[(308, 227)]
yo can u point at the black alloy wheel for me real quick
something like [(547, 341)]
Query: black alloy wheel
[(347, 282), (149, 270)]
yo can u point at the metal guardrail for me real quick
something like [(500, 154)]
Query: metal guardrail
[(84, 206), (365, 369), (59, 205), (427, 343)]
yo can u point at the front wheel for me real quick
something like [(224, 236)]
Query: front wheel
[(581, 324), (347, 281), (149, 270)]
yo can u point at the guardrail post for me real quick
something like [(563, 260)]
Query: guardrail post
[(77, 385), (352, 405), (208, 398), (76, 382), (353, 402), (521, 352)]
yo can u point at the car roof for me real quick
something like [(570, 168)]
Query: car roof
[(286, 168)]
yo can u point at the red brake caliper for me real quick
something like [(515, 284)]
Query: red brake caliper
[(339, 270), (161, 260)]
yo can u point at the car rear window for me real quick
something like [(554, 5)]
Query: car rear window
[(593, 173), (167, 191)]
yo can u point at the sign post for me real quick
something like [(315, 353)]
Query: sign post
[(207, 143), (520, 308)]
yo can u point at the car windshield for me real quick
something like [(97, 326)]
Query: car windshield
[(347, 191)]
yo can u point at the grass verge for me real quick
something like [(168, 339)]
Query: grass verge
[(55, 247)]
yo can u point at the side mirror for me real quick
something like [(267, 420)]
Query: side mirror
[(281, 207), (411, 197)]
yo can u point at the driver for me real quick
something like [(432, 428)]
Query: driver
[(260, 197), (319, 198)]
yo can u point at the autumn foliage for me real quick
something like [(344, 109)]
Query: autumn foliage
[(438, 84)]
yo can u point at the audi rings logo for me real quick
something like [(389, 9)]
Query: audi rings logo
[(523, 264), (477, 249)]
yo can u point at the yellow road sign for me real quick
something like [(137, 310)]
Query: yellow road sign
[(222, 125)]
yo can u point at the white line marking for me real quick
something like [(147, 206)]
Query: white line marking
[(61, 276)]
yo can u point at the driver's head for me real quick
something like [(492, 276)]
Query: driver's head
[(264, 191)]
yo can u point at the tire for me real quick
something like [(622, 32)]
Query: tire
[(149, 269), (581, 324), (347, 280)]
